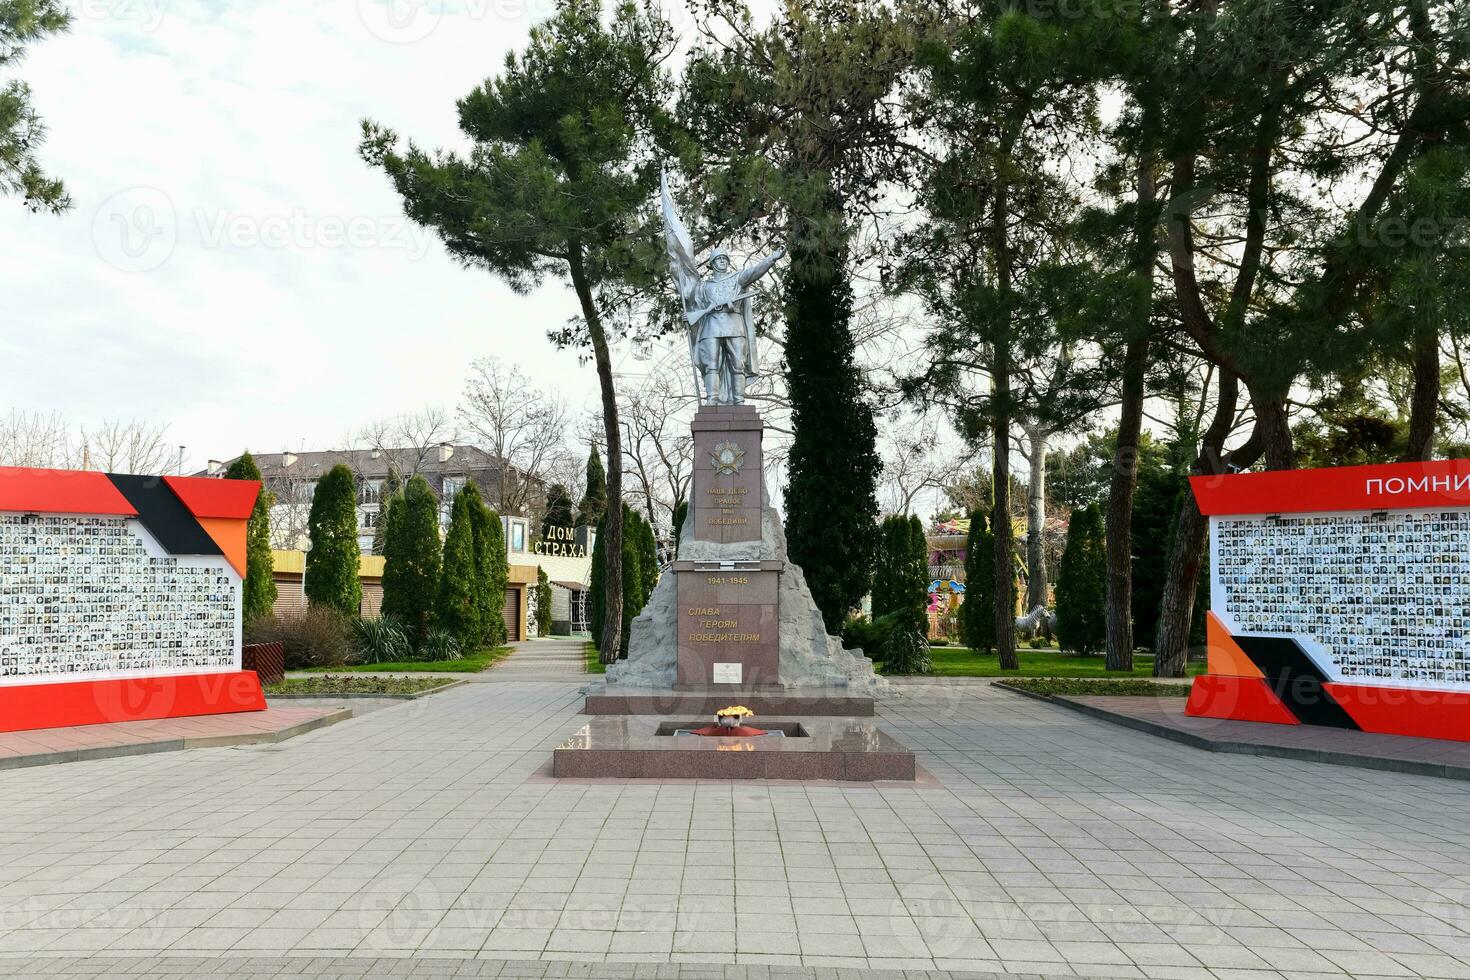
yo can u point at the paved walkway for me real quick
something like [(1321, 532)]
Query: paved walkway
[(1052, 844), (546, 659)]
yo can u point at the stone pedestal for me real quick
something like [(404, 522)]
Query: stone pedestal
[(728, 624), (729, 494), (734, 616)]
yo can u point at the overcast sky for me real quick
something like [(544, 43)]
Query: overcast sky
[(231, 268)]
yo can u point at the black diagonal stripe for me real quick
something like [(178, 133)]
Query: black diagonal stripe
[(164, 515), (1295, 679)]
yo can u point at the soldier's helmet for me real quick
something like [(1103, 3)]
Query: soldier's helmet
[(718, 253)]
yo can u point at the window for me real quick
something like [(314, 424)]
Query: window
[(517, 536), (369, 491), (452, 486), (367, 518)]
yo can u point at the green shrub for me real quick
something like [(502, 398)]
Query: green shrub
[(382, 641), (543, 602), (316, 636), (906, 652), (869, 635), (439, 645), (1036, 642)]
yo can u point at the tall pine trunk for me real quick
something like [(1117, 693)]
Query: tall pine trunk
[(1036, 438), (1176, 607), (1005, 576), (1118, 522), (611, 531), (1119, 518), (1424, 402)]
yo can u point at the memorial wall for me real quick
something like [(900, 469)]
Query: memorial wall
[(1340, 597), (120, 597)]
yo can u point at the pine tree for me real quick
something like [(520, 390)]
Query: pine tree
[(1082, 584), (543, 602), (332, 563), (594, 502), (411, 575), (492, 568), (390, 490), (558, 509), (455, 606), (977, 611), (260, 584)]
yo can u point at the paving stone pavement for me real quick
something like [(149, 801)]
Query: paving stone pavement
[(429, 834)]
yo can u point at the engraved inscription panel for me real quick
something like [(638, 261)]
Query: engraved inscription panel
[(727, 617)]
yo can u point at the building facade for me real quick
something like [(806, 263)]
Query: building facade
[(292, 477)]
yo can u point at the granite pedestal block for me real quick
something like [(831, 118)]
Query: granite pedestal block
[(703, 702), (631, 747)]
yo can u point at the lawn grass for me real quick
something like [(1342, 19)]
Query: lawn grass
[(328, 685), (1087, 686), (1046, 662), (594, 662), (472, 664)]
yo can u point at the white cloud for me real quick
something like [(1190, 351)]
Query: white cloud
[(231, 267)]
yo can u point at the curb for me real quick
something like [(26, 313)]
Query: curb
[(173, 744), (1353, 760)]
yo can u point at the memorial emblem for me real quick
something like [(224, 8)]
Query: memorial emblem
[(726, 458)]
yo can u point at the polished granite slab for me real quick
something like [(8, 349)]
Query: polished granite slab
[(631, 747), (703, 702)]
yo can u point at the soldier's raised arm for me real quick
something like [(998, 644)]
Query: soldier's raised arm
[(752, 273)]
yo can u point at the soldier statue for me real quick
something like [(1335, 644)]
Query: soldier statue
[(719, 311)]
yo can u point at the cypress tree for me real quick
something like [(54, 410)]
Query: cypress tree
[(681, 513), (648, 562), (455, 606), (411, 576), (833, 467), (492, 569), (634, 579), (885, 588), (558, 509), (918, 574), (1082, 584), (259, 591), (332, 562), (390, 490), (594, 502), (543, 602), (977, 611)]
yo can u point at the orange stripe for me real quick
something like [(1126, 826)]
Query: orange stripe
[(1224, 655), (229, 534)]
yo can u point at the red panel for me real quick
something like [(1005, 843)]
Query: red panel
[(1237, 698), (1393, 486), (25, 707), (208, 497), (1406, 711), (60, 492)]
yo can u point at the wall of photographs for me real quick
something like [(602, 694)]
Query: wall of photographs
[(1384, 597), (88, 598)]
